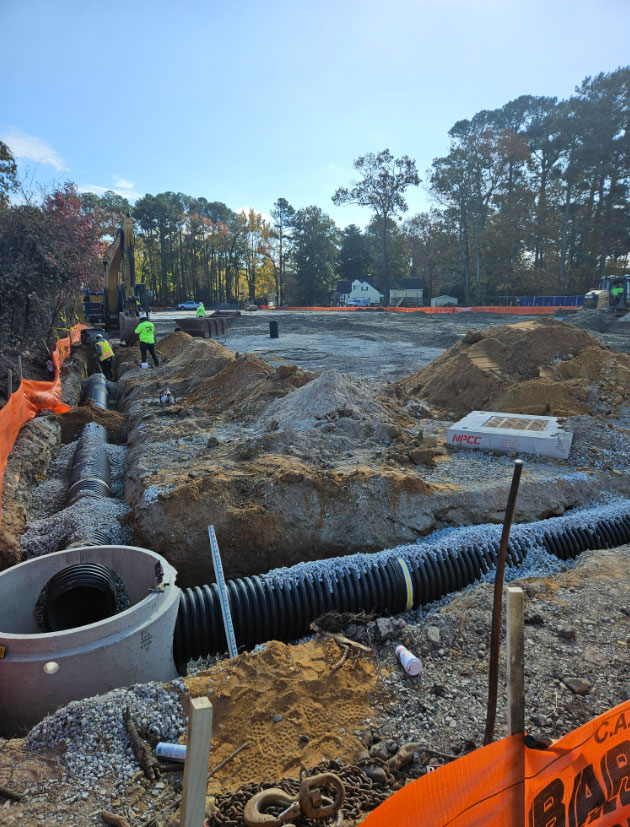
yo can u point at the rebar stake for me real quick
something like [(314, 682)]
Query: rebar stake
[(493, 676)]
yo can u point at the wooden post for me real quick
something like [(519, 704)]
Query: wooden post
[(20, 368), (9, 384), (515, 660), (196, 768)]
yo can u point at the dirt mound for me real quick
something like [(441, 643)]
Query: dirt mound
[(332, 395), (539, 367), (72, 422), (290, 705), (244, 385)]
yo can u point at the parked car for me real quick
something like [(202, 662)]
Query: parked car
[(358, 303), (189, 305)]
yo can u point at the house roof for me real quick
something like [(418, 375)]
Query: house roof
[(344, 287), (410, 284)]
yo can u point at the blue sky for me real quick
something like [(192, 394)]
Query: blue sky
[(251, 101)]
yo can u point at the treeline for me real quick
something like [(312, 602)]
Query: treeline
[(531, 198)]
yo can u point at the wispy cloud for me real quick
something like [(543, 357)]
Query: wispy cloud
[(125, 191), (123, 183), (33, 149)]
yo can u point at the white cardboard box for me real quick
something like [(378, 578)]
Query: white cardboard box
[(495, 431)]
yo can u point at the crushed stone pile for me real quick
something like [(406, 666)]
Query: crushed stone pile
[(332, 395), (90, 738), (285, 700), (539, 367)]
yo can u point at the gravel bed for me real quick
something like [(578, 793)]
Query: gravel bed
[(537, 562), (55, 526), (574, 667), (50, 495), (73, 523), (90, 738)]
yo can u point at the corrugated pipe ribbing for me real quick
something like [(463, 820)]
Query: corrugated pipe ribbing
[(282, 604), (90, 475)]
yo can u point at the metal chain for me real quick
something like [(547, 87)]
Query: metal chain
[(362, 794)]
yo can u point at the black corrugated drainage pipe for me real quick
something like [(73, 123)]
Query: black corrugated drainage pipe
[(90, 475), (79, 594), (283, 603), (96, 390)]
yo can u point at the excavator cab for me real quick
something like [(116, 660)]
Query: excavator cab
[(125, 301), (612, 294)]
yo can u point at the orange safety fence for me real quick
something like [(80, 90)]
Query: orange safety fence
[(583, 778), (503, 310), (33, 396)]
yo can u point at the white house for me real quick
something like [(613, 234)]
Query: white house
[(363, 292)]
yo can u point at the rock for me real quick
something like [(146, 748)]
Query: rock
[(423, 456), (284, 371), (273, 425), (472, 337), (376, 774), (389, 628), (433, 635), (533, 619), (212, 442), (566, 634), (379, 751), (579, 686), (276, 719), (292, 476)]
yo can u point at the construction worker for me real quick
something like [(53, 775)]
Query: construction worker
[(146, 334), (616, 293), (201, 310), (105, 356)]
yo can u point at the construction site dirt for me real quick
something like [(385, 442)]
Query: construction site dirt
[(328, 441), (293, 463)]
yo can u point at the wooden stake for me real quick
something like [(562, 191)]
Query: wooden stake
[(20, 368), (515, 660), (196, 767), (9, 384)]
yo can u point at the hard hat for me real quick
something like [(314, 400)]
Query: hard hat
[(99, 335)]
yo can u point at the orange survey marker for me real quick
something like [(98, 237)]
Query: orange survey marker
[(33, 396), (584, 778)]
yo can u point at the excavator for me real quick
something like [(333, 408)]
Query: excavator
[(124, 300), (613, 294)]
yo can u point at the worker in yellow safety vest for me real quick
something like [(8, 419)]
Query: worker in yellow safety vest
[(201, 310), (146, 334), (105, 356)]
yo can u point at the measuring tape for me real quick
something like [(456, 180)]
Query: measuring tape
[(223, 593)]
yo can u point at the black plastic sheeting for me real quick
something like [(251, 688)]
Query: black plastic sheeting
[(277, 607), (91, 473)]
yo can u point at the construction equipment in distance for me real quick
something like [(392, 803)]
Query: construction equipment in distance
[(607, 295), (93, 306), (125, 301)]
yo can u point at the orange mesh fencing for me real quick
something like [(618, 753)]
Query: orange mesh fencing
[(33, 396), (511, 311), (583, 778)]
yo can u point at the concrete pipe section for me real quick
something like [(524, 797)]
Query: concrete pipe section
[(41, 671)]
